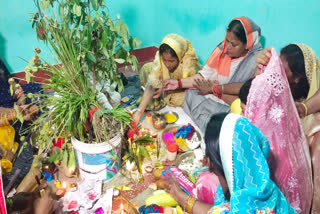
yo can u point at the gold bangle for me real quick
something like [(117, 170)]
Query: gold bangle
[(190, 203), (5, 117), (222, 89), (11, 115), (305, 108)]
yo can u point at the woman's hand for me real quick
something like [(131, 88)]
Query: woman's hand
[(19, 92), (45, 204), (169, 85), (20, 96), (157, 93), (136, 116), (204, 86), (28, 112), (263, 57), (172, 186), (301, 110)]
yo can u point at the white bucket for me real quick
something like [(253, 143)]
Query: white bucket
[(98, 161)]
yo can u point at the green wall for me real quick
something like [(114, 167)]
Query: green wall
[(203, 22)]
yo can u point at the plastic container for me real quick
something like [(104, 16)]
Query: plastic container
[(100, 161), (172, 152)]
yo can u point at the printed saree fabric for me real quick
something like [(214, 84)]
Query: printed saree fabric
[(271, 108), (244, 150)]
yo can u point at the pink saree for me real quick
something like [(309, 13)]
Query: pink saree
[(271, 108), (2, 198)]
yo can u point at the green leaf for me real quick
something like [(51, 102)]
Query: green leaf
[(134, 62), (120, 61), (136, 43), (94, 4), (44, 4), (105, 52), (55, 157), (11, 90), (120, 85), (89, 36), (121, 53), (104, 38), (76, 10), (24, 145), (91, 57), (144, 152), (145, 139), (124, 33), (28, 76), (61, 11), (117, 27)]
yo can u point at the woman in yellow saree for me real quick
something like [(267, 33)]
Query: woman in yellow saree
[(175, 59), (311, 119)]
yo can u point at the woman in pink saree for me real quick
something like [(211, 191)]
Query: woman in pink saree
[(270, 107)]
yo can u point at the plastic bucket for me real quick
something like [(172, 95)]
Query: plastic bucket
[(100, 161)]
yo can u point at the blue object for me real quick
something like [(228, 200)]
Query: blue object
[(47, 176), (153, 208)]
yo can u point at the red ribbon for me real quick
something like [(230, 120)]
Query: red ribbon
[(92, 112)]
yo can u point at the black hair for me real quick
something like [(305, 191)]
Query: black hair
[(244, 91), (294, 56), (211, 139), (166, 48), (237, 28)]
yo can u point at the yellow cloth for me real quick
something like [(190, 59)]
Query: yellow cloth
[(311, 123), (312, 67), (7, 137), (153, 73), (6, 165), (236, 107)]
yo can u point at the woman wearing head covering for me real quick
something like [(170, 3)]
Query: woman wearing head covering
[(237, 153), (176, 59), (270, 106), (233, 60)]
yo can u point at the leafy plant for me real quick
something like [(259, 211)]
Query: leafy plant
[(88, 47)]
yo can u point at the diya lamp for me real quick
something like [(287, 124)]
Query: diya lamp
[(62, 190), (73, 187)]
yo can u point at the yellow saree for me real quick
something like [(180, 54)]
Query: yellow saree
[(153, 73), (311, 123)]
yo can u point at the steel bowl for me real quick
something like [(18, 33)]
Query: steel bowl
[(171, 112)]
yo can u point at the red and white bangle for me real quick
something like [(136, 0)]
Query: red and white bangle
[(179, 84), (215, 89)]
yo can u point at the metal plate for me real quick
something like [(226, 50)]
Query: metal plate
[(174, 113)]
